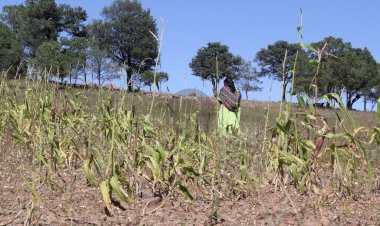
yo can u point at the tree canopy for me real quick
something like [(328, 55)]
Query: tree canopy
[(343, 69), (147, 79), (248, 79), (361, 69), (10, 50), (98, 55), (38, 21), (215, 62), (49, 59), (331, 68), (273, 63)]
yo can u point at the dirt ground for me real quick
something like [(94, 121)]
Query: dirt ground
[(75, 203)]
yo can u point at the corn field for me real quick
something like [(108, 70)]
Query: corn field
[(175, 153)]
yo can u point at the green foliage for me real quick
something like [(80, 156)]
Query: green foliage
[(372, 92), (38, 21), (215, 62), (49, 59), (274, 63), (98, 54), (361, 72), (331, 63), (10, 50), (128, 30), (248, 79), (72, 20), (271, 59), (13, 16), (147, 79), (342, 67), (75, 53)]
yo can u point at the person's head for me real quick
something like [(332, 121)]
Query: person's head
[(228, 82)]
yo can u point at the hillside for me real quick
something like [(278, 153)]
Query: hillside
[(100, 157)]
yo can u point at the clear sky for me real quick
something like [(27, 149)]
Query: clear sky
[(246, 26)]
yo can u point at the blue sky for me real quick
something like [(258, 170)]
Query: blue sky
[(246, 26)]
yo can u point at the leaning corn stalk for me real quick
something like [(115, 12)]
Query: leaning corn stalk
[(320, 140)]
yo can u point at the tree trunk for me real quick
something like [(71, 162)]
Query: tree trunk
[(284, 92), (99, 75), (246, 94), (348, 101), (76, 73), (70, 74), (356, 98), (351, 100), (129, 79), (373, 105), (349, 105), (129, 75), (85, 74), (366, 98), (214, 88), (92, 74)]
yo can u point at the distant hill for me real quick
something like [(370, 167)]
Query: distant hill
[(187, 92)]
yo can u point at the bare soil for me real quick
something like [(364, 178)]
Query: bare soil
[(73, 202)]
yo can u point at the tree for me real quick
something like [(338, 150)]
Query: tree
[(128, 30), (76, 53), (360, 67), (271, 61), (304, 75), (374, 91), (249, 81), (98, 62), (98, 54), (72, 20), (214, 62), (10, 50), (147, 79), (75, 45), (39, 21), (345, 68), (49, 59), (14, 17), (329, 79)]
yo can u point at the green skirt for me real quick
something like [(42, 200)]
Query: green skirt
[(228, 121)]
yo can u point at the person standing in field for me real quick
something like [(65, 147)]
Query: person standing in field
[(229, 113)]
